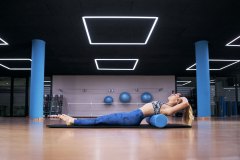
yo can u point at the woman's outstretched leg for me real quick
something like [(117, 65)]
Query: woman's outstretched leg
[(132, 118), (74, 121)]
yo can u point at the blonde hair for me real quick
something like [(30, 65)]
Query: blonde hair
[(188, 115)]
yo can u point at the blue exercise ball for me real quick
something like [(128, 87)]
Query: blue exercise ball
[(108, 100), (125, 97), (146, 97)]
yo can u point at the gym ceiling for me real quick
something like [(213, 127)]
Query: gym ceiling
[(169, 50)]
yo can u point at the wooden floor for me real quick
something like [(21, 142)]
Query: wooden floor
[(215, 139)]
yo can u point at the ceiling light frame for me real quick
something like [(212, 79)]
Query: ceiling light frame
[(216, 60), (233, 45), (118, 17), (116, 69), (4, 43), (15, 59)]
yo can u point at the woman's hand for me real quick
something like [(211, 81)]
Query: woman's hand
[(184, 99)]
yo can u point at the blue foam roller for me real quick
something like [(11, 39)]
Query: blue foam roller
[(158, 120)]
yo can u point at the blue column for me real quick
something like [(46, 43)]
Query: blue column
[(37, 79), (203, 79)]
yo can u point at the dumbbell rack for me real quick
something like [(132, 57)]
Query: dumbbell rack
[(52, 105)]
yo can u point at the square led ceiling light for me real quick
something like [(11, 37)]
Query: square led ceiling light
[(3, 43), (229, 63), (116, 64), (119, 30), (234, 43), (14, 59)]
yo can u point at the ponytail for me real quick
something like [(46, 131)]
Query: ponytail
[(188, 115)]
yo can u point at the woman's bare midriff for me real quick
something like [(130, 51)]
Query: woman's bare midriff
[(148, 110)]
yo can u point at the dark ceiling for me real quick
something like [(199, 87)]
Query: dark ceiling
[(170, 49)]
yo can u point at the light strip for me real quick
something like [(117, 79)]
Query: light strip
[(20, 69), (4, 66), (185, 83), (216, 60), (118, 17), (136, 61), (47, 81), (15, 59), (231, 45), (4, 42)]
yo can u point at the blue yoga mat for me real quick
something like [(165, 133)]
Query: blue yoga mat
[(142, 126)]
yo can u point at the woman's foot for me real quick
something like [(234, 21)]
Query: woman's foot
[(67, 119)]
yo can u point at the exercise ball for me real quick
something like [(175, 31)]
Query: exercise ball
[(125, 97), (146, 97), (108, 100)]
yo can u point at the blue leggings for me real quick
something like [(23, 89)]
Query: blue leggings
[(132, 118)]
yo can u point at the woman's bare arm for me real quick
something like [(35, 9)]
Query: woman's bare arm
[(171, 110)]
